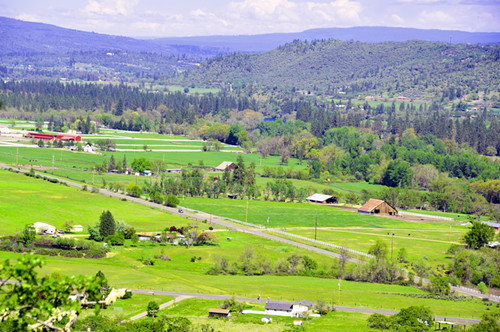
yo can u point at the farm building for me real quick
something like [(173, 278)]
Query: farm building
[(149, 236), (322, 198), (50, 137), (377, 206), (225, 164), (223, 313), (295, 309), (495, 225), (43, 228)]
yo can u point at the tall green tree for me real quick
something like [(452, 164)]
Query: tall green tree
[(479, 235), (107, 224)]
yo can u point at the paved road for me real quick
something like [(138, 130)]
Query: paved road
[(254, 300), (217, 220)]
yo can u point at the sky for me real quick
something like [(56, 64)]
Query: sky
[(168, 18)]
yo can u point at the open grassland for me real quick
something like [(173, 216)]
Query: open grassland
[(180, 275), (24, 200), (431, 243), (290, 214)]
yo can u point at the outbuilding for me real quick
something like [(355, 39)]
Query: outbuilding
[(322, 198), (225, 164), (43, 228), (77, 228), (222, 313), (379, 207)]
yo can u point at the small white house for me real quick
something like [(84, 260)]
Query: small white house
[(43, 228), (149, 236), (266, 319), (299, 308), (77, 228), (88, 148)]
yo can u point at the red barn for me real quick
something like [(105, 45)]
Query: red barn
[(45, 137), (69, 137)]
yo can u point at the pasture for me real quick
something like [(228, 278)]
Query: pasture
[(181, 275), (25, 200)]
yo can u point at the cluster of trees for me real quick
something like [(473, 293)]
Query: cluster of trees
[(414, 318), (250, 263), (111, 231)]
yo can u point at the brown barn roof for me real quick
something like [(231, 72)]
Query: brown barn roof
[(219, 311), (371, 205)]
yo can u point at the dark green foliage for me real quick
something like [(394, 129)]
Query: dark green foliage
[(141, 164), (233, 305), (479, 235), (153, 308), (490, 322), (378, 321), (440, 285), (27, 235), (172, 201), (106, 224), (398, 174), (414, 318)]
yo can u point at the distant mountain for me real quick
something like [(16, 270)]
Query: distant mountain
[(415, 68), (29, 37), (267, 42)]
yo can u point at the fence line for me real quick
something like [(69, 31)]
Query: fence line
[(404, 213)]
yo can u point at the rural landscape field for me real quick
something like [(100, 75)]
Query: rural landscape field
[(334, 179)]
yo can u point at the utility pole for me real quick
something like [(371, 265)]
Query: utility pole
[(392, 245), (93, 173), (316, 226), (17, 157), (246, 214), (53, 164), (339, 290), (449, 234)]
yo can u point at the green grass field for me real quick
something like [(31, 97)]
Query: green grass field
[(429, 243), (286, 214), (26, 200)]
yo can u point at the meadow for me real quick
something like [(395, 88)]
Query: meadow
[(25, 200), (123, 269)]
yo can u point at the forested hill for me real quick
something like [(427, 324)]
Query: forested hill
[(413, 68), (270, 41)]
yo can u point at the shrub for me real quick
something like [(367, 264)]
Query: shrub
[(482, 288), (172, 201)]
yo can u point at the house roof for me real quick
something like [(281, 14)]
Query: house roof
[(150, 234), (307, 303), (492, 224), (278, 306), (224, 165), (372, 204), (319, 197), (219, 311)]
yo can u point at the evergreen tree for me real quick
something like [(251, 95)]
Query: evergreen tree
[(240, 172), (107, 224)]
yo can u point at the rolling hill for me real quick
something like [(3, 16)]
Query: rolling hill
[(412, 67)]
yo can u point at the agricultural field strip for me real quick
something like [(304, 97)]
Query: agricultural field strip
[(203, 216), (376, 234), (263, 301)]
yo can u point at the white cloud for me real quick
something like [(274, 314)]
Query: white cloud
[(397, 19), (339, 11), (437, 18), (260, 8), (110, 7)]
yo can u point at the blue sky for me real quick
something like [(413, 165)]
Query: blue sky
[(164, 18)]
